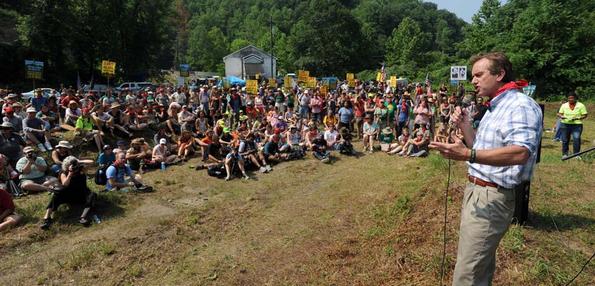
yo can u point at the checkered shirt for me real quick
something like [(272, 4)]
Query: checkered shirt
[(512, 119)]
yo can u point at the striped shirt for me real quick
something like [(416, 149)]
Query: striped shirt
[(512, 119)]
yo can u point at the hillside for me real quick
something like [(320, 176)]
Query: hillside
[(370, 220)]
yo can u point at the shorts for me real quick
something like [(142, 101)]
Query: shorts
[(38, 181)]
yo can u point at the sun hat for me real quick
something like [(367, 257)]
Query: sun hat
[(28, 149), (6, 125), (17, 104), (31, 109), (106, 147), (64, 144), (115, 105), (387, 131)]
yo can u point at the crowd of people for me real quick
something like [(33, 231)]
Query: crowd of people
[(233, 132)]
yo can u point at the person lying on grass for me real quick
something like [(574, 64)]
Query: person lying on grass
[(73, 190)]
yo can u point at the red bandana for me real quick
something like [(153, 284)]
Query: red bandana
[(508, 86)]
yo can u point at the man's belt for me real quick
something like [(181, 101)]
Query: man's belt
[(480, 182)]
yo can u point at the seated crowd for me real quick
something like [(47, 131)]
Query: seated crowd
[(231, 131)]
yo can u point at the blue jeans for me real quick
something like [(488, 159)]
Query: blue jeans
[(573, 130)]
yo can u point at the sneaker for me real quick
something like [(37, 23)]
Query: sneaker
[(268, 167), (46, 224), (48, 146), (246, 177), (326, 160), (41, 147), (263, 169), (227, 178), (84, 221)]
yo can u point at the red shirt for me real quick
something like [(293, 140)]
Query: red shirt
[(6, 202)]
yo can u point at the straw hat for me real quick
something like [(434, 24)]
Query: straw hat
[(387, 131), (64, 144)]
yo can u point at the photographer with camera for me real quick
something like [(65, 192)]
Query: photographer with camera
[(32, 169), (74, 191)]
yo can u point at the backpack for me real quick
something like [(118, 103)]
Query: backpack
[(101, 176), (217, 171)]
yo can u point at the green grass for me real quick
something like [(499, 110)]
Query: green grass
[(372, 220)]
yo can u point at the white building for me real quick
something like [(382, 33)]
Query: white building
[(248, 61)]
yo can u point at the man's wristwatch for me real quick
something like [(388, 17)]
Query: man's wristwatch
[(473, 156)]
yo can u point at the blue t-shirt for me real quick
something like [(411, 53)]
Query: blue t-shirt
[(105, 159), (345, 115), (38, 102), (118, 175)]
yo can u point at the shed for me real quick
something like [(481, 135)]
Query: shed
[(248, 61)]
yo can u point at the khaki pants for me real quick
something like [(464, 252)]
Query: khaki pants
[(485, 218)]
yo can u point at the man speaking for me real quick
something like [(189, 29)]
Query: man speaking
[(501, 154)]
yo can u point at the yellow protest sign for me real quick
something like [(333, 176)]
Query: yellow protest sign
[(351, 83), (272, 82), (393, 81), (303, 75), (311, 83), (324, 90), (257, 76), (288, 82), (350, 76), (379, 76), (108, 68), (252, 86)]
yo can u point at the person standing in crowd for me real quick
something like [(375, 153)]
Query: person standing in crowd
[(571, 116), (501, 155)]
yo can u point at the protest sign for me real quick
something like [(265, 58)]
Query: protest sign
[(252, 86), (324, 90), (288, 82), (350, 76), (185, 70), (311, 83), (458, 73), (303, 76), (34, 69), (108, 68), (272, 82), (393, 81)]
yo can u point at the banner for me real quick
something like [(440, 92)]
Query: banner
[(185, 70), (311, 83), (34, 69), (458, 73), (350, 77), (252, 86), (393, 81), (108, 68), (303, 75)]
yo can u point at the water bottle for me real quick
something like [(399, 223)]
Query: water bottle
[(96, 219), (162, 166)]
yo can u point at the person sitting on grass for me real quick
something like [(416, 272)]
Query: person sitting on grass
[(386, 139), (344, 145), (103, 120), (185, 145), (370, 132), (402, 143), (320, 149), (36, 132), (331, 136), (60, 153), (248, 150), (162, 154), (139, 155), (8, 218), (441, 134), (271, 150), (418, 147), (234, 158), (120, 176), (32, 169), (73, 191), (85, 128)]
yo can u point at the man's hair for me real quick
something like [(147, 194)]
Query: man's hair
[(499, 61), (572, 93)]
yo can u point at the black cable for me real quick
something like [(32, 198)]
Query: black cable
[(445, 223), (585, 265)]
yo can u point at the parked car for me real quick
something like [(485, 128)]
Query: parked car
[(46, 91), (99, 88), (135, 86)]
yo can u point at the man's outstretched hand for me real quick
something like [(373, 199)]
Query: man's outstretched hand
[(456, 151)]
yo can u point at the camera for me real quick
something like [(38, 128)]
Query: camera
[(30, 155), (76, 167)]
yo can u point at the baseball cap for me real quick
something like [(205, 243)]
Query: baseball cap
[(162, 141)]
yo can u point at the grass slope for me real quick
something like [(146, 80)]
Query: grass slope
[(372, 220)]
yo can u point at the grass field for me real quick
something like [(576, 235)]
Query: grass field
[(370, 220)]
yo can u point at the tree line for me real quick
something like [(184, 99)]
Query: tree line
[(550, 42)]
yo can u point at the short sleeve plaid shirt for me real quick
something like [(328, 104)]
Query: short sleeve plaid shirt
[(512, 119)]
